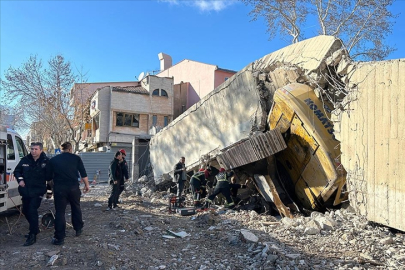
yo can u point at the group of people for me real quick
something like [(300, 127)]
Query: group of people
[(118, 175), (35, 170), (224, 183), (32, 174)]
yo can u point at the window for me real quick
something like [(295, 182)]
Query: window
[(96, 121), (154, 120), (127, 120), (166, 121), (162, 93), (22, 151), (120, 119), (135, 120), (10, 148)]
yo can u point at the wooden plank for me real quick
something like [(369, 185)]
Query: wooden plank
[(368, 93), (391, 150), (401, 188), (400, 183), (382, 132)]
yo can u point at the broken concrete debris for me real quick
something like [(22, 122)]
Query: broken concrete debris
[(52, 260), (248, 236), (214, 240)]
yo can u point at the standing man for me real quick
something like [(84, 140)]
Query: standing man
[(116, 177), (63, 170), (124, 169), (180, 175), (31, 177)]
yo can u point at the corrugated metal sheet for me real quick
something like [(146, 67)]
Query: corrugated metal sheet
[(372, 142), (100, 161), (253, 149), (94, 161)]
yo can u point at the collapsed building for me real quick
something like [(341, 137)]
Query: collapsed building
[(278, 120)]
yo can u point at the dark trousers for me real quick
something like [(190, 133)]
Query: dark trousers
[(63, 196), (195, 191), (224, 190), (30, 211), (120, 190), (180, 187), (113, 199)]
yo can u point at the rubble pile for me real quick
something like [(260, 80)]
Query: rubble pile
[(144, 186), (142, 234)]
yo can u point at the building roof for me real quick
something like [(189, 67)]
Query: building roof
[(218, 68), (226, 70), (131, 89)]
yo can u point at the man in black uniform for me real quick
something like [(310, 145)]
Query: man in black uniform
[(115, 173), (63, 170), (180, 176), (124, 169), (221, 184), (31, 178)]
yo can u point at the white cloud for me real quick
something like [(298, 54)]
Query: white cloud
[(204, 5), (173, 2), (217, 5)]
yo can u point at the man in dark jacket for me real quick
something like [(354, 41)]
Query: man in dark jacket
[(63, 170), (222, 186), (124, 169), (180, 176), (115, 180), (31, 176)]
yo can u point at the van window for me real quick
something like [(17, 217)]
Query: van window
[(22, 151), (10, 148)]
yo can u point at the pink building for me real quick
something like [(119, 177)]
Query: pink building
[(192, 80)]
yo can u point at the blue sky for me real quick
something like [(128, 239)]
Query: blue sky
[(117, 40)]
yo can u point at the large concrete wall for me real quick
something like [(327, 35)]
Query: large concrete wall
[(223, 117), (372, 135), (239, 106)]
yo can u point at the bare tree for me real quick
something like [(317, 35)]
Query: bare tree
[(362, 25), (42, 97), (283, 17)]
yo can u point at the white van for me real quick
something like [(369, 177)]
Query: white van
[(12, 149)]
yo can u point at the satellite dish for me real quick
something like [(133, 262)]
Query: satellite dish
[(140, 77)]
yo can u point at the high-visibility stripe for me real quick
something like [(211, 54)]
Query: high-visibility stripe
[(10, 177), (195, 176)]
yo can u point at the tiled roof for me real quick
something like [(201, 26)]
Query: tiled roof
[(132, 89)]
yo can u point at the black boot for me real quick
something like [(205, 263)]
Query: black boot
[(206, 205), (31, 239)]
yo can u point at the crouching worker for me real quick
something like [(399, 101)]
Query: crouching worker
[(234, 188), (222, 186), (198, 184)]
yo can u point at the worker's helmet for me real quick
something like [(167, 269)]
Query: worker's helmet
[(221, 170)]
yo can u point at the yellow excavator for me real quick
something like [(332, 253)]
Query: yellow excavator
[(311, 160)]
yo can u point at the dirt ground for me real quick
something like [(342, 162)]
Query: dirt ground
[(136, 237)]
